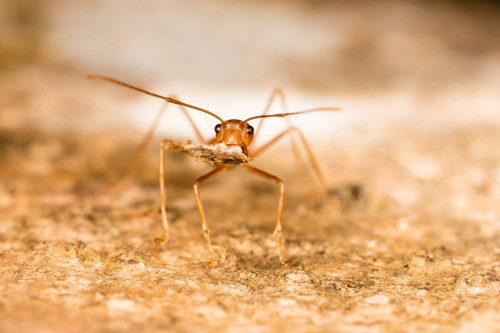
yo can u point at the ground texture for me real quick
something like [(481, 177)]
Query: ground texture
[(408, 239)]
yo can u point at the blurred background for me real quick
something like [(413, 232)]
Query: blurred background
[(371, 58), (409, 76)]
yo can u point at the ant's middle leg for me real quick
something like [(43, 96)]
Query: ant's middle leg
[(312, 159)]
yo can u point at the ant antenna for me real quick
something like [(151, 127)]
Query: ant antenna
[(291, 113), (168, 99)]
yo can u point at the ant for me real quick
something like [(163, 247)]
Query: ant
[(229, 134)]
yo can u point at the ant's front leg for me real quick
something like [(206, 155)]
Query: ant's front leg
[(277, 230), (163, 239), (206, 231)]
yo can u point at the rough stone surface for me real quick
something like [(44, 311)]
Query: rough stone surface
[(407, 241)]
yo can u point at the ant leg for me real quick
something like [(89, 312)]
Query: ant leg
[(141, 148), (278, 93), (312, 159), (163, 239), (277, 230), (163, 207), (139, 151), (206, 232)]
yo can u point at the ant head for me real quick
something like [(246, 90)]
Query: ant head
[(234, 132)]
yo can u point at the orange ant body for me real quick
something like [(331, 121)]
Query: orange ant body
[(232, 133)]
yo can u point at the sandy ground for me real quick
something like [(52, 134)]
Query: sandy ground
[(414, 247)]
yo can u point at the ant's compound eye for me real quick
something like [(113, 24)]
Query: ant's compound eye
[(250, 130), (217, 128)]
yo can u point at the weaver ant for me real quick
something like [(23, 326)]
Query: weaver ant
[(230, 147)]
